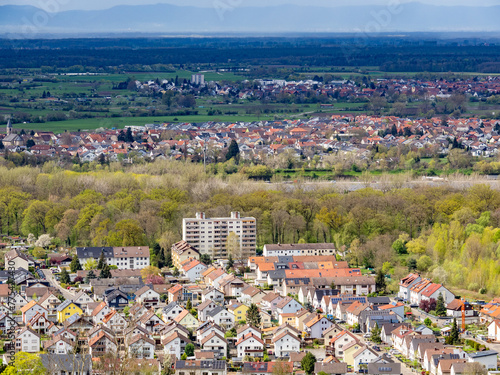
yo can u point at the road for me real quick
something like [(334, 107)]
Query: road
[(49, 276)]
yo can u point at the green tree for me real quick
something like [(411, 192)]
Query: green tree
[(205, 259), (454, 337), (399, 246), (375, 336), (380, 283), (90, 264), (65, 276), (189, 350), (307, 363), (412, 265), (75, 264), (233, 151), (253, 315), (105, 272), (189, 305), (168, 259), (90, 276), (440, 308), (101, 262), (26, 363), (428, 322)]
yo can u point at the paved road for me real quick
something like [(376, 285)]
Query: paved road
[(51, 279)]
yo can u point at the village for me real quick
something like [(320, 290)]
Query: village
[(297, 308)]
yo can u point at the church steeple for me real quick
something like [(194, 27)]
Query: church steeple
[(9, 127)]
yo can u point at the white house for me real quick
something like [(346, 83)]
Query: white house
[(192, 269), (285, 343), (170, 311), (364, 356), (288, 306), (31, 309), (59, 345), (221, 317), (147, 297), (246, 329), (494, 330), (213, 295), (204, 308), (216, 343), (141, 346), (315, 327), (27, 341), (175, 344), (487, 358), (406, 283), (250, 345), (16, 259), (433, 290), (98, 314), (115, 321)]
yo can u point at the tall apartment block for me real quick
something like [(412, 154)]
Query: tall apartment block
[(210, 235)]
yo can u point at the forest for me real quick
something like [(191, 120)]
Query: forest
[(390, 54), (448, 232)]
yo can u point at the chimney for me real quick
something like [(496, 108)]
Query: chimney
[(235, 215)]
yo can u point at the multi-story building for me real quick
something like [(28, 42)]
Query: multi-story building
[(124, 257), (182, 251), (301, 249), (212, 236)]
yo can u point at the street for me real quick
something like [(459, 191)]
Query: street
[(49, 276)]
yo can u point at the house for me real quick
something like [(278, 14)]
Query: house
[(140, 346), (288, 306), (83, 298), (250, 345), (186, 319), (17, 259), (27, 341), (354, 310), (67, 309), (494, 330), (192, 269), (212, 294), (266, 368), (444, 365), (31, 309), (206, 329), (406, 283), (341, 340), (204, 308), (147, 297), (200, 367), (101, 344), (115, 298), (221, 317), (50, 301), (265, 319), (285, 343), (175, 344), (182, 251), (433, 290), (333, 368), (67, 364), (454, 309), (115, 321), (251, 294), (270, 302), (39, 323), (350, 350), (362, 357), (315, 327), (216, 343), (170, 311), (375, 368), (487, 358), (239, 311), (246, 329), (99, 312), (149, 321), (330, 333), (59, 345)]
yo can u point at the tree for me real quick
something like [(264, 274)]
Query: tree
[(475, 368), (230, 262), (440, 308), (307, 363), (65, 276), (233, 246), (399, 246), (44, 241), (105, 272), (380, 283), (412, 265), (75, 264), (428, 322), (101, 262), (205, 259), (189, 305), (424, 262), (90, 276), (150, 271), (168, 259), (454, 337), (90, 264), (189, 350), (26, 363), (233, 151), (30, 143), (253, 315), (375, 336)]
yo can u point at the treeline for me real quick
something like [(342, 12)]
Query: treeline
[(82, 56), (449, 233)]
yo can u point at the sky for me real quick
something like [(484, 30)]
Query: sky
[(62, 5)]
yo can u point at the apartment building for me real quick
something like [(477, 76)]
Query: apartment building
[(210, 235), (301, 249), (124, 257)]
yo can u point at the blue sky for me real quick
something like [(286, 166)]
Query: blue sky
[(103, 4)]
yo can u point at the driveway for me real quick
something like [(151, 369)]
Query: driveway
[(49, 276)]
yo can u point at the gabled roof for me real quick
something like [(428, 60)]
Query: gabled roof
[(211, 336), (283, 334), (174, 336), (249, 335)]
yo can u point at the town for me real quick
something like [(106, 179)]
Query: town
[(217, 308)]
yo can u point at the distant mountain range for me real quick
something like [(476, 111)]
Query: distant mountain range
[(164, 18)]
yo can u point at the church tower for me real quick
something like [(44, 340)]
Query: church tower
[(9, 127)]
